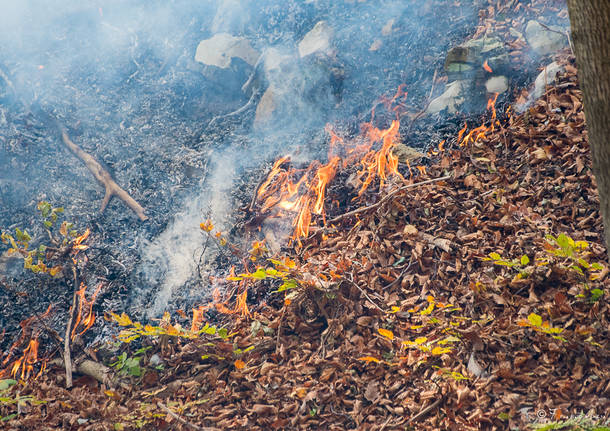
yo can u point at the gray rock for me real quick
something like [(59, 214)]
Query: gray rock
[(155, 360), (406, 154), (451, 99), (319, 39), (465, 62), (544, 41), (222, 48), (497, 84), (546, 77)]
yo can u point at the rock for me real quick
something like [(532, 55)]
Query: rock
[(406, 154), (546, 77), (265, 109), (451, 99), (497, 84), (542, 40), (467, 60), (319, 39), (222, 48), (231, 17)]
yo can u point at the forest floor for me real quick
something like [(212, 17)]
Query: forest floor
[(453, 304), (473, 295)]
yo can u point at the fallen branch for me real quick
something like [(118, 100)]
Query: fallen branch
[(182, 421), (103, 177), (425, 411), (385, 198)]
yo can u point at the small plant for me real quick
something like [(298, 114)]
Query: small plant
[(130, 365), (574, 257), (61, 246), (579, 423), (535, 322)]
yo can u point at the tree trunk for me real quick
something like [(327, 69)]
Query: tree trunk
[(590, 20)]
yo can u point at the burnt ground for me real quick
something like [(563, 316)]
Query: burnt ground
[(147, 130), (143, 116)]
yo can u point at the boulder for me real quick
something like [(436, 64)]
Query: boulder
[(497, 84), (466, 60), (546, 77), (406, 154), (544, 41), (451, 99), (227, 60), (317, 40), (222, 48)]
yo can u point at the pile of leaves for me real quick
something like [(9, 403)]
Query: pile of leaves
[(475, 302)]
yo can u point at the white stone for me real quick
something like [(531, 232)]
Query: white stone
[(546, 77), (497, 84), (221, 48), (319, 39), (450, 99), (542, 40)]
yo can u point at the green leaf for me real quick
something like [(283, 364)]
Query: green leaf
[(567, 244), (597, 266), (7, 383), (9, 417), (288, 284), (535, 319), (260, 274), (525, 260), (223, 333), (48, 224), (596, 294)]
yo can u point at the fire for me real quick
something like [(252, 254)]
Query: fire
[(29, 357), (27, 361), (304, 194), (475, 135), (487, 68), (86, 320)]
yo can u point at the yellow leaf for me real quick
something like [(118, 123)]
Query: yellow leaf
[(440, 350), (386, 333), (394, 309), (535, 319), (428, 309), (421, 340), (239, 364)]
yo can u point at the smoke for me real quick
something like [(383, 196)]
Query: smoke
[(122, 73)]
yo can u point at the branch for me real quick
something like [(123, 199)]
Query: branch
[(182, 421), (103, 177)]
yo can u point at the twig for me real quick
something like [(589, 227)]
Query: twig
[(103, 177), (67, 353), (425, 411), (563, 33), (238, 111), (365, 294), (385, 198), (182, 421)]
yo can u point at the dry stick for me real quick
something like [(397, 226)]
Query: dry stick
[(103, 178), (67, 353), (182, 421), (385, 198), (425, 411)]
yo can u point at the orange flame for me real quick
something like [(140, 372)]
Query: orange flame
[(87, 320), (486, 67)]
